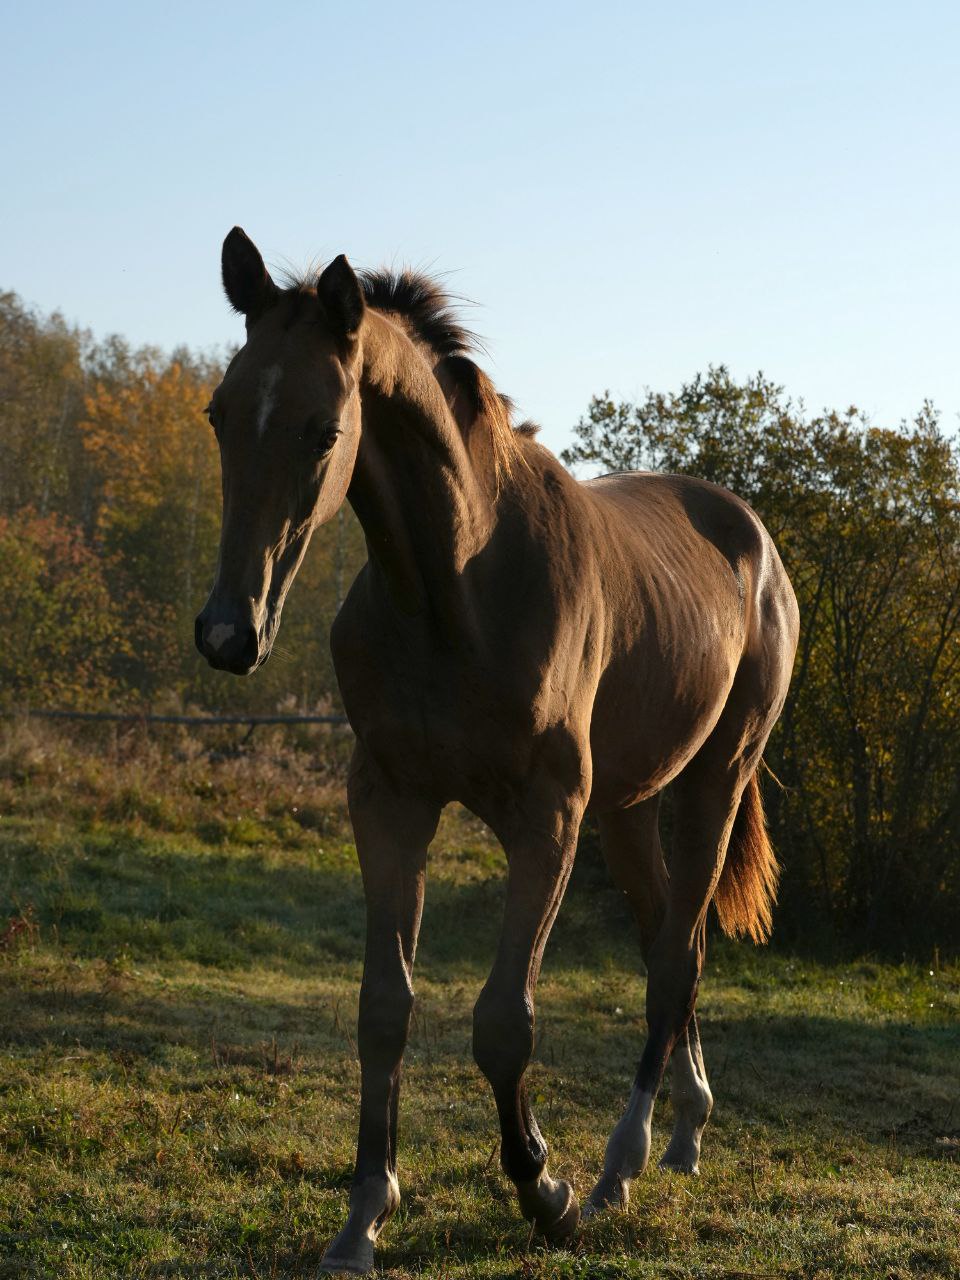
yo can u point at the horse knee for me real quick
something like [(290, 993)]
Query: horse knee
[(502, 1035), (385, 1018)]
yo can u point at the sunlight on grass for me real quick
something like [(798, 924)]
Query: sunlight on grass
[(178, 994)]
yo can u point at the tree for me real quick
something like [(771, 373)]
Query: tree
[(62, 633), (158, 485), (41, 394), (109, 444)]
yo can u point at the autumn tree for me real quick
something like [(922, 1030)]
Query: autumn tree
[(112, 444), (158, 470), (62, 632)]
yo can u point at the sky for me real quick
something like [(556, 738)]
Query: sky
[(626, 193)]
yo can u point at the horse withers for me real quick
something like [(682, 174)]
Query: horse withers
[(522, 643)]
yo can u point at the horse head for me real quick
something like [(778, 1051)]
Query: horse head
[(287, 420)]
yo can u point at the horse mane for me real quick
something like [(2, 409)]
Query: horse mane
[(427, 308), (430, 316), (428, 313)]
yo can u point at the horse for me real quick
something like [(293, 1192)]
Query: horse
[(526, 644)]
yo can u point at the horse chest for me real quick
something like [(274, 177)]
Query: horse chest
[(440, 723)]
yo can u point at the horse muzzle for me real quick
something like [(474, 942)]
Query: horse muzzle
[(228, 642)]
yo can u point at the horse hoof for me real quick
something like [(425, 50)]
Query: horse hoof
[(567, 1221), (373, 1201), (679, 1166), (680, 1159), (609, 1193), (590, 1210), (358, 1263), (551, 1206)]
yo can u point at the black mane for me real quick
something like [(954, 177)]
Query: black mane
[(429, 312), (424, 304)]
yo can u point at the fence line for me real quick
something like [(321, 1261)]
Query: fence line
[(140, 717)]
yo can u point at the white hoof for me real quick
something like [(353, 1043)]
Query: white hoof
[(679, 1164), (360, 1264), (683, 1152), (372, 1203), (611, 1192)]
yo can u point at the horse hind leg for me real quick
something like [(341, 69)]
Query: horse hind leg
[(717, 790), (717, 797), (674, 964), (631, 844)]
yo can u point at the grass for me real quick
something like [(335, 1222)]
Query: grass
[(180, 943)]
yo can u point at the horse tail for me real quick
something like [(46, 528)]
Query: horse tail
[(747, 889)]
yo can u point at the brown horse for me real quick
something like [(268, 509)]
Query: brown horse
[(521, 643)]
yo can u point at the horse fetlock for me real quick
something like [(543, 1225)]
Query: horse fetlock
[(691, 1096), (682, 1154), (550, 1204), (692, 1105), (612, 1191), (373, 1201)]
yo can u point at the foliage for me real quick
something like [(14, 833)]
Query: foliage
[(41, 392), (867, 521), (63, 632), (113, 442), (157, 518)]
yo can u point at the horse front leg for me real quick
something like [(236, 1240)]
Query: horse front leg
[(503, 1021), (392, 834)]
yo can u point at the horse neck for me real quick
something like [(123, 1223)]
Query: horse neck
[(424, 506)]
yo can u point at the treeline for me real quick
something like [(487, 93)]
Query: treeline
[(109, 520), (864, 794)]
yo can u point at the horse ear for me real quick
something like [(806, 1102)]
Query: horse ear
[(246, 281), (341, 297)]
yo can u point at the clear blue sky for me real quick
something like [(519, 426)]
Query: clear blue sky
[(628, 191)]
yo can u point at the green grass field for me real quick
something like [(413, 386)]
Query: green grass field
[(180, 945)]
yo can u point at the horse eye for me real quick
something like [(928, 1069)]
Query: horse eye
[(326, 437)]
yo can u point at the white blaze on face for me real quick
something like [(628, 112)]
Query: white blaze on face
[(220, 634), (268, 395)]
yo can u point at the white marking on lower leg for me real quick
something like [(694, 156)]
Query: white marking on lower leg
[(219, 634), (268, 395), (373, 1201), (629, 1145), (692, 1104), (628, 1149)]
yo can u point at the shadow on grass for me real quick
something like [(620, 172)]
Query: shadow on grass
[(110, 894), (783, 1072), (120, 900)]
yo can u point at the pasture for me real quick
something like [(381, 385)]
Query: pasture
[(180, 953)]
